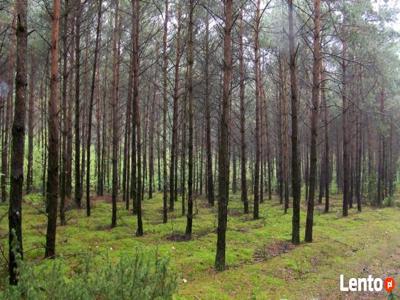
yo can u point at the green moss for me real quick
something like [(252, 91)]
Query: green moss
[(341, 246)]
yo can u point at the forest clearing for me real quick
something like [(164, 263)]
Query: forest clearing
[(262, 262), (199, 149)]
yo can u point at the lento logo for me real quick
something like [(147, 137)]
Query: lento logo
[(369, 284), (389, 284)]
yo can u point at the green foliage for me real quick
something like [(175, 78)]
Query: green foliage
[(388, 201), (141, 276)]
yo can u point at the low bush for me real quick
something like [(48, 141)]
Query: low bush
[(141, 276), (388, 201)]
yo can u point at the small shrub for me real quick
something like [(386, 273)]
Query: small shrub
[(141, 276), (388, 201)]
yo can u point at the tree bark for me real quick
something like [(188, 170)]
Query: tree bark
[(173, 153), (114, 111), (188, 231), (223, 155), (285, 133), (17, 146), (53, 144), (258, 112), (326, 153), (92, 87), (31, 116), (165, 111), (314, 121), (243, 170), (346, 158), (64, 110), (78, 187), (210, 180), (8, 117), (296, 172), (136, 108)]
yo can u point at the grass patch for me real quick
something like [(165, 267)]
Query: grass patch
[(262, 264)]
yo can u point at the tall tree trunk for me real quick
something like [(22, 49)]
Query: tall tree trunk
[(243, 171), (258, 112), (183, 154), (285, 132), (210, 180), (98, 140), (190, 114), (151, 146), (69, 133), (17, 146), (359, 133), (103, 174), (31, 116), (175, 113), (78, 187), (314, 121), (8, 117), (53, 145), (326, 153), (223, 155), (296, 172), (136, 108), (64, 89), (346, 157), (165, 111), (44, 129), (380, 194), (115, 118), (92, 87)]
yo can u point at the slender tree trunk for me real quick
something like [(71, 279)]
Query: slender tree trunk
[(44, 128), (359, 133), (314, 121), (285, 133), (175, 113), (243, 170), (381, 154), (115, 118), (103, 174), (346, 158), (165, 111), (53, 145), (151, 146), (64, 142), (223, 155), (31, 116), (126, 168), (190, 114), (78, 187), (158, 157), (99, 158), (17, 146), (69, 138), (136, 108), (210, 180), (258, 108), (326, 154), (234, 173), (183, 160), (92, 87), (296, 172), (8, 116)]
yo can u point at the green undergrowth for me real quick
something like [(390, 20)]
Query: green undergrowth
[(262, 263)]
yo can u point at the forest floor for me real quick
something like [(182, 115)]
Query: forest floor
[(262, 262)]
